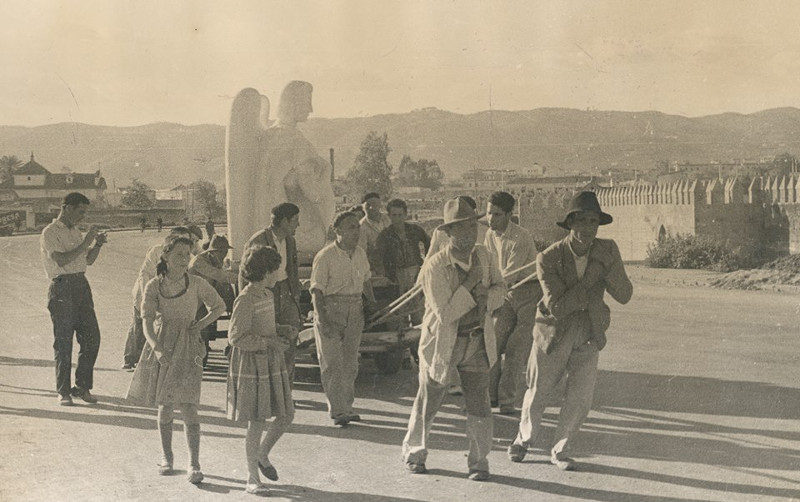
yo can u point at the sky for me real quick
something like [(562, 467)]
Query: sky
[(132, 62)]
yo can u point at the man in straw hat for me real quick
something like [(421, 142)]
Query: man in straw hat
[(462, 287), (571, 321)]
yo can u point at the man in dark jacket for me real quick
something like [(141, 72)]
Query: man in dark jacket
[(280, 236), (571, 321)]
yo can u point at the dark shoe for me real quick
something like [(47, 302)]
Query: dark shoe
[(195, 477), (517, 452), (268, 471), (507, 409), (563, 463), (65, 400), (353, 418), (84, 394), (127, 366), (341, 420), (416, 468), (476, 475)]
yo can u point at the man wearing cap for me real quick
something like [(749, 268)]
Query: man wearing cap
[(65, 256), (571, 321), (209, 264), (371, 226), (462, 287), (512, 247), (339, 276), (280, 236), (134, 343)]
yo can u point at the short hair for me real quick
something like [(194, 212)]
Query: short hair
[(258, 261), (503, 200), (357, 209), (343, 216), (74, 199), (469, 200), (284, 210), (179, 230), (195, 230), (370, 195), (397, 203)]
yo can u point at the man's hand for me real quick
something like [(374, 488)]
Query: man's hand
[(100, 239), (91, 235), (475, 274), (481, 294)]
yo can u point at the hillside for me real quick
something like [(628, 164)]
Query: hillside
[(563, 140)]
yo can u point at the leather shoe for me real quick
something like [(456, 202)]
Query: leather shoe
[(416, 468), (84, 394), (353, 418), (517, 452), (165, 468), (476, 475), (563, 463), (341, 420), (268, 471), (65, 400)]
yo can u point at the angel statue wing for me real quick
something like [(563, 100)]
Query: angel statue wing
[(245, 143)]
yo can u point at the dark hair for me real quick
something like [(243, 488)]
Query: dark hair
[(358, 208), (284, 210), (169, 245), (74, 199), (503, 200), (258, 261), (370, 195), (343, 216), (179, 230), (469, 200), (397, 203)]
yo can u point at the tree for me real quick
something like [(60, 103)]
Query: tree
[(205, 193), (784, 163), (8, 164), (371, 171), (136, 196), (420, 173)]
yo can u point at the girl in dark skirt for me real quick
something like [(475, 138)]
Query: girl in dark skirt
[(258, 383)]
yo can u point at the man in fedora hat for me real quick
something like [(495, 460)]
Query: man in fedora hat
[(571, 321), (280, 236), (462, 287)]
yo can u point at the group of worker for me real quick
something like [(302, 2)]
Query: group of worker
[(497, 312)]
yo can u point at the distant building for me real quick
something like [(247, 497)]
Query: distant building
[(33, 185)]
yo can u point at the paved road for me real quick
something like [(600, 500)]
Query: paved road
[(698, 400)]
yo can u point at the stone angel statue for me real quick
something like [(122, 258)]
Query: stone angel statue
[(266, 164)]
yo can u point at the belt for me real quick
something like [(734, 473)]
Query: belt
[(472, 333), (69, 276)]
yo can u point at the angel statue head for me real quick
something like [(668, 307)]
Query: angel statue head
[(295, 103)]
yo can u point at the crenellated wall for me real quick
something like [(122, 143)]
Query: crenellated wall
[(761, 215)]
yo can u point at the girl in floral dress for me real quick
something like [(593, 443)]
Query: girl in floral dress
[(258, 382), (170, 369)]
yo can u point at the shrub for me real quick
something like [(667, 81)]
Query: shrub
[(688, 251)]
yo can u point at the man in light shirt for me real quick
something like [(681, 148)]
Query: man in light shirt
[(462, 288), (513, 249), (371, 226), (280, 236), (340, 275), (65, 256)]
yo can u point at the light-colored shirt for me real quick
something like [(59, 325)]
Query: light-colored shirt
[(280, 245), (512, 249), (581, 262), (58, 237), (146, 272), (335, 272)]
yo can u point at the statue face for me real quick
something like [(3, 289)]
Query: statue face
[(303, 107)]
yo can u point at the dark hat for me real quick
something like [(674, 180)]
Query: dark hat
[(219, 243), (585, 201), (456, 210), (195, 230)]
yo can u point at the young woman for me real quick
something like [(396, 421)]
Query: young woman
[(170, 369), (258, 382)]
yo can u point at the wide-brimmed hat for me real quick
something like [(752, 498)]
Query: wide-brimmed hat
[(457, 210), (218, 243), (585, 201)]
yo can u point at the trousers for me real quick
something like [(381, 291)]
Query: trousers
[(72, 312), (338, 340), (472, 364), (287, 312)]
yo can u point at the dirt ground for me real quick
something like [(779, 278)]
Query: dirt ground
[(698, 400)]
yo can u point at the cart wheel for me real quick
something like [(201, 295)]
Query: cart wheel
[(389, 363)]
